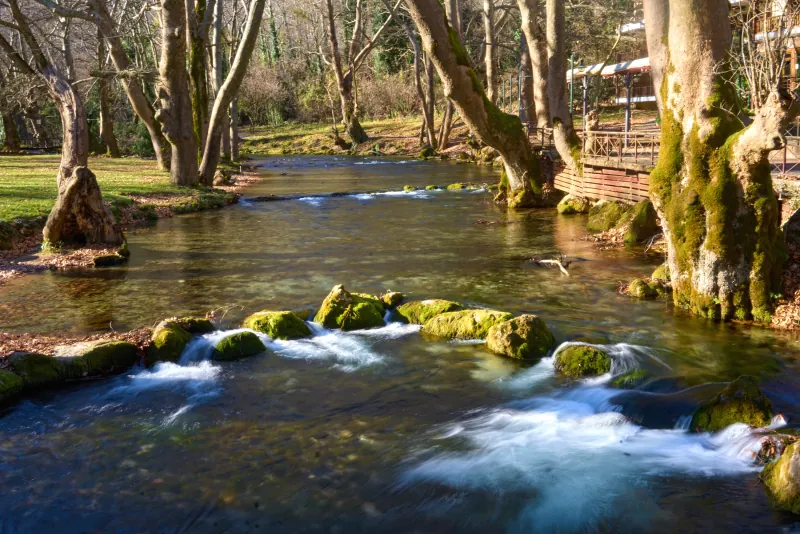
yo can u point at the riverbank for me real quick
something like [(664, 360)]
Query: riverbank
[(135, 191)]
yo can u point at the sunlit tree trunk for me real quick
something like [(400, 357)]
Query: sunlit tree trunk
[(712, 186), (527, 108), (537, 47), (175, 112), (461, 85), (453, 12), (489, 54), (198, 19), (106, 121)]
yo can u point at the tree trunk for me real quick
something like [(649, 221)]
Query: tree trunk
[(106, 122), (218, 66), (527, 109), (11, 142), (489, 50), (497, 129), (424, 94), (79, 214), (565, 137), (712, 187), (175, 113), (197, 20), (537, 47), (229, 90), (132, 85), (234, 114), (453, 13)]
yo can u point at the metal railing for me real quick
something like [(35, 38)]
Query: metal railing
[(640, 148)]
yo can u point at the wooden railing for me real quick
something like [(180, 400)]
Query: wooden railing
[(639, 148), (785, 163), (540, 138)]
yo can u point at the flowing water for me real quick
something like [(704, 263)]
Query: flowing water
[(382, 430)]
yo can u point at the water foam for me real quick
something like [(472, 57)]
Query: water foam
[(577, 454)]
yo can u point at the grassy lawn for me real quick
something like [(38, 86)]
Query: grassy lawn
[(28, 183)]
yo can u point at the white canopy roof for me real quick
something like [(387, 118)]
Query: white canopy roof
[(637, 65)]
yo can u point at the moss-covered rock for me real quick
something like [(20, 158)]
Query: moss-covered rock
[(431, 188), (427, 152), (570, 205), (372, 299), (661, 273), (740, 402), (196, 325), (167, 342), (340, 309), (640, 289), (109, 260), (631, 379), (11, 385), (488, 154), (782, 479), (465, 324), (578, 361), (237, 346), (278, 325), (640, 223), (453, 187), (525, 338), (37, 370), (659, 287), (409, 188), (96, 358), (421, 311), (391, 299), (605, 215)]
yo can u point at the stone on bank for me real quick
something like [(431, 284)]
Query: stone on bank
[(524, 338)]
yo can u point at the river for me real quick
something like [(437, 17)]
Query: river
[(382, 430)]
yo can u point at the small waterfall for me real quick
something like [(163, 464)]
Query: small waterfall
[(684, 422)]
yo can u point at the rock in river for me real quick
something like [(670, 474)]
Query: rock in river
[(168, 341), (422, 311), (340, 309), (466, 324), (525, 337), (782, 479), (10, 385), (237, 346), (278, 324), (740, 402), (578, 361)]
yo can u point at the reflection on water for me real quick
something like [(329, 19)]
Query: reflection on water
[(381, 430)]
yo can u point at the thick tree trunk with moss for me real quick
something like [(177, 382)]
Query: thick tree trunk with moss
[(198, 18), (565, 137), (712, 186), (175, 112), (463, 87), (537, 49)]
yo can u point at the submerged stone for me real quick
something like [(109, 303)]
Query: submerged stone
[(421, 311), (168, 341), (237, 346), (11, 385), (37, 370), (578, 361), (391, 299), (525, 337), (605, 215), (571, 204), (630, 380), (96, 358), (278, 324), (782, 479), (109, 260), (740, 402), (347, 311), (640, 289), (466, 324)]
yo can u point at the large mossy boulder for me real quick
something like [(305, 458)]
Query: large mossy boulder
[(392, 299), (237, 346), (640, 223), (571, 204), (96, 358), (740, 402), (579, 361), (465, 324), (422, 311), (347, 311), (605, 215), (782, 479), (640, 289), (37, 370), (278, 325), (167, 342), (525, 338), (11, 385)]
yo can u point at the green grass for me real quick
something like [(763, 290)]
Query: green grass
[(28, 186)]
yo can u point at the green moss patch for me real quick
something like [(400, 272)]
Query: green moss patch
[(167, 342), (579, 361), (11, 385), (421, 311), (605, 215), (524, 338), (740, 402), (237, 346), (347, 311), (570, 205), (278, 325), (466, 324)]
